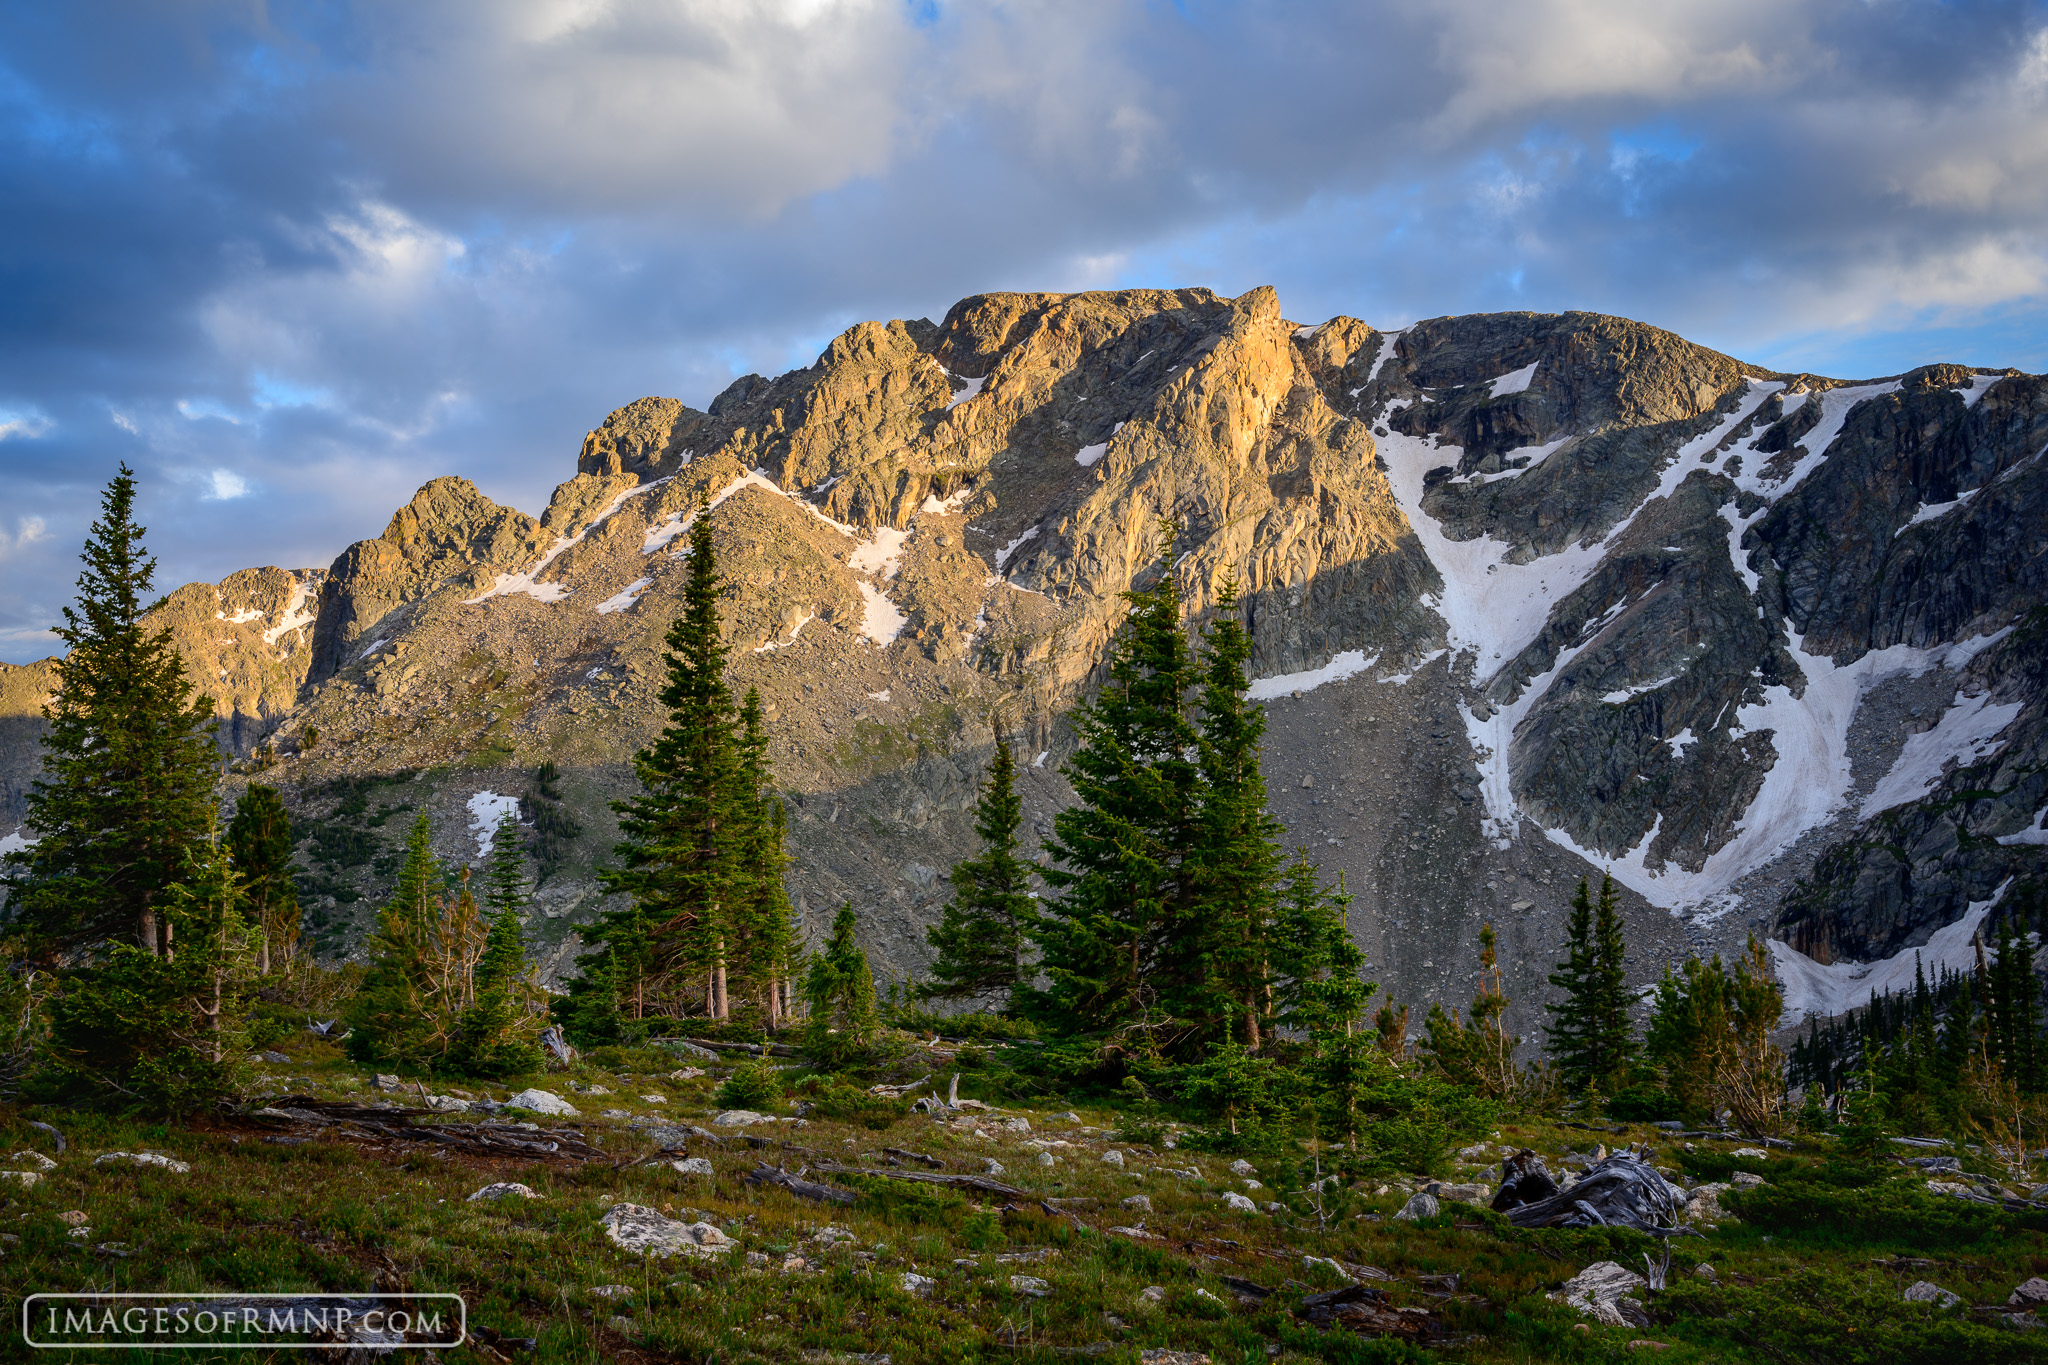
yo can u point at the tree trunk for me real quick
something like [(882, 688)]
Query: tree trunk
[(147, 932)]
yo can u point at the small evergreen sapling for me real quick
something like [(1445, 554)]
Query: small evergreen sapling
[(840, 991), (494, 1035), (980, 937), (1590, 1038), (260, 842)]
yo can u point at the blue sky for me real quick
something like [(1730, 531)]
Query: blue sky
[(291, 260)]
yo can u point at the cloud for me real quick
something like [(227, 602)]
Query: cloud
[(24, 425), (332, 252), (27, 531)]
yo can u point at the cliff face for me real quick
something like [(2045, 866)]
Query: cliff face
[(1530, 596)]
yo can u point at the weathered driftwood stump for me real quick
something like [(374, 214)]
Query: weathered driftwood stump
[(1524, 1179), (1622, 1191)]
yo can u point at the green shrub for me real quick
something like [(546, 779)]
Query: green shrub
[(838, 1100), (1895, 1213), (1840, 1319), (752, 1085)]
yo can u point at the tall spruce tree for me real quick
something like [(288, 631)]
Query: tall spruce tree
[(1121, 853), (423, 958), (1589, 1034), (1228, 983), (2014, 1007), (980, 936), (129, 764), (260, 842), (683, 834)]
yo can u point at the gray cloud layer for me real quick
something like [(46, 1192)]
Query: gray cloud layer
[(290, 261)]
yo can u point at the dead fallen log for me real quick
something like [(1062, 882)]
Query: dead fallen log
[(919, 1157), (798, 1186), (1622, 1191), (750, 1049), (979, 1183), (1524, 1179), (397, 1124)]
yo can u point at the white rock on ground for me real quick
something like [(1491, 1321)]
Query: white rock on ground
[(741, 1118), (1421, 1204), (1479, 1194), (542, 1102), (1151, 1296), (1253, 1185), (1233, 1200), (1045, 1158), (447, 1104), (1031, 1285), (25, 1179), (1138, 1202), (610, 1291), (654, 1099), (695, 1165), (1596, 1290), (1752, 1153), (1241, 1167), (645, 1232), (1926, 1291), (990, 1166), (917, 1284), (2032, 1294), (157, 1159), (503, 1189), (1113, 1157), (34, 1161)]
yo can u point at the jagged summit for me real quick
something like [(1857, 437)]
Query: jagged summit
[(1529, 595)]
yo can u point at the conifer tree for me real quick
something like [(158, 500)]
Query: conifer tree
[(493, 1034), (423, 959), (680, 850), (840, 991), (1590, 1037), (129, 764), (162, 1032), (1236, 859), (1476, 1052), (260, 842), (980, 937), (1122, 851), (760, 916), (1323, 996)]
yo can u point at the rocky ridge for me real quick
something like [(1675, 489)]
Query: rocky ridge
[(1530, 596)]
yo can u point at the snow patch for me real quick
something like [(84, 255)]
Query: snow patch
[(1349, 664), (1807, 781), (1088, 455), (1003, 555), (1617, 698), (1978, 386), (973, 388), (625, 597), (1491, 608), (1834, 409), (883, 554), (1681, 740), (1387, 340), (1811, 988), (882, 695), (240, 618), (794, 631), (2036, 833), (1515, 381), (1401, 679), (295, 614), (662, 532), (880, 619), (507, 584), (1928, 511), (486, 810), (948, 507), (15, 842), (375, 645), (1968, 733), (1039, 762)]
